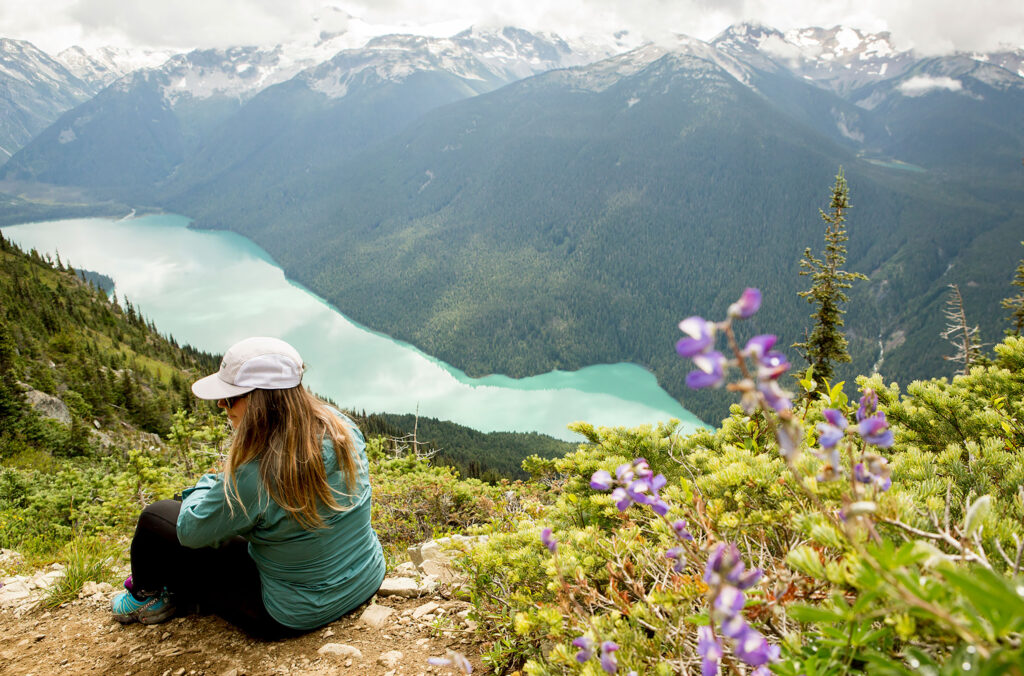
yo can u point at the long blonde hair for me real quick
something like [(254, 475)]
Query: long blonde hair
[(284, 430)]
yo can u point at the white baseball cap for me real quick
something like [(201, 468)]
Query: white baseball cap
[(253, 363)]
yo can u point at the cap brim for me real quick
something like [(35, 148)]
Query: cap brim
[(212, 387)]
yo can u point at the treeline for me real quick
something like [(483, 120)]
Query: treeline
[(488, 456), (62, 337)]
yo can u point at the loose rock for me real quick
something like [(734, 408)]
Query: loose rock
[(399, 586), (425, 609), (341, 651), (376, 616), (390, 659)]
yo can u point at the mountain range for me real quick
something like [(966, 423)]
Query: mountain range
[(513, 203)]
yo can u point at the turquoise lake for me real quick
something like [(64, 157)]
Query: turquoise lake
[(210, 289)]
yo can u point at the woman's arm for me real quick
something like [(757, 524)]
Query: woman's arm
[(207, 518)]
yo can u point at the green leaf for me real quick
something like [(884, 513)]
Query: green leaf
[(805, 613)]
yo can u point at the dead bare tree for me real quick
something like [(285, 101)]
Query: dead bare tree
[(964, 338)]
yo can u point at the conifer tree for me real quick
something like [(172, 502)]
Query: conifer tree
[(826, 345), (1015, 304)]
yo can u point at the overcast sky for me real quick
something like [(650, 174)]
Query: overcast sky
[(931, 26)]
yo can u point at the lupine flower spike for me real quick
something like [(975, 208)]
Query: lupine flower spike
[(608, 662), (548, 540)]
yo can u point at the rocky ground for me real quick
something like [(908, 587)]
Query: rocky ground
[(412, 618)]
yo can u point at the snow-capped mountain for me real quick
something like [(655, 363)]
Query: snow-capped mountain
[(485, 59), (100, 67), (36, 89), (839, 58)]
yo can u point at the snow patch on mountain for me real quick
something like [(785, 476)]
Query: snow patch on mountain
[(488, 59), (104, 65), (236, 73), (922, 84)]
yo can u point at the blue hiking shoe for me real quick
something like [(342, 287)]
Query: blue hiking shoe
[(150, 610)]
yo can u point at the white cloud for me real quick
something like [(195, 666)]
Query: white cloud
[(931, 26), (922, 84)]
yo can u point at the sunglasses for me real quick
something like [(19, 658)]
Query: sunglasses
[(231, 401)]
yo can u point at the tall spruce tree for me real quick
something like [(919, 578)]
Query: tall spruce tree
[(826, 345), (1015, 304)]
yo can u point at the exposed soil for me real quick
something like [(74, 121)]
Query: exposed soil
[(81, 638)]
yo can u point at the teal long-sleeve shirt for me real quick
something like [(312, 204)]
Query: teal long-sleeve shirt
[(309, 578)]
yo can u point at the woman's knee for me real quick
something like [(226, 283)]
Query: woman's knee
[(160, 516)]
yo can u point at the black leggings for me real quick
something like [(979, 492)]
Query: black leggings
[(222, 580)]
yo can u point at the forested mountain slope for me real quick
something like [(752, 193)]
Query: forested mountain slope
[(101, 369), (575, 217)]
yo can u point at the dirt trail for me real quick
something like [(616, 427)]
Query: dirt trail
[(82, 638)]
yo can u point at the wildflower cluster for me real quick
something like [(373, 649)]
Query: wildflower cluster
[(873, 429), (635, 483), (607, 654), (760, 367), (727, 579)]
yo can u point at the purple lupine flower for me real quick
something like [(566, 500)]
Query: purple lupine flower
[(772, 365), (659, 506), (622, 499), (776, 397), (734, 627), (749, 578), (642, 469), (702, 336), (748, 304), (586, 646), (710, 373), (729, 601), (868, 405), (754, 649), (658, 482), (549, 541), (681, 529), (723, 565), (608, 662), (758, 346), (637, 490), (831, 431), (873, 470), (710, 651), (761, 671), (601, 480), (875, 430), (624, 472), (677, 555)]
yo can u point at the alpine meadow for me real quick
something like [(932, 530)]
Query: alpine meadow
[(812, 238)]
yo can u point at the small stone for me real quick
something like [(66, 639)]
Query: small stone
[(422, 642), (425, 609), (180, 671), (340, 650), (376, 616), (390, 659), (348, 662), (166, 635), (230, 672), (399, 586), (328, 633)]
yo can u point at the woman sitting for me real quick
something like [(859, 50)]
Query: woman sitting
[(280, 542)]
